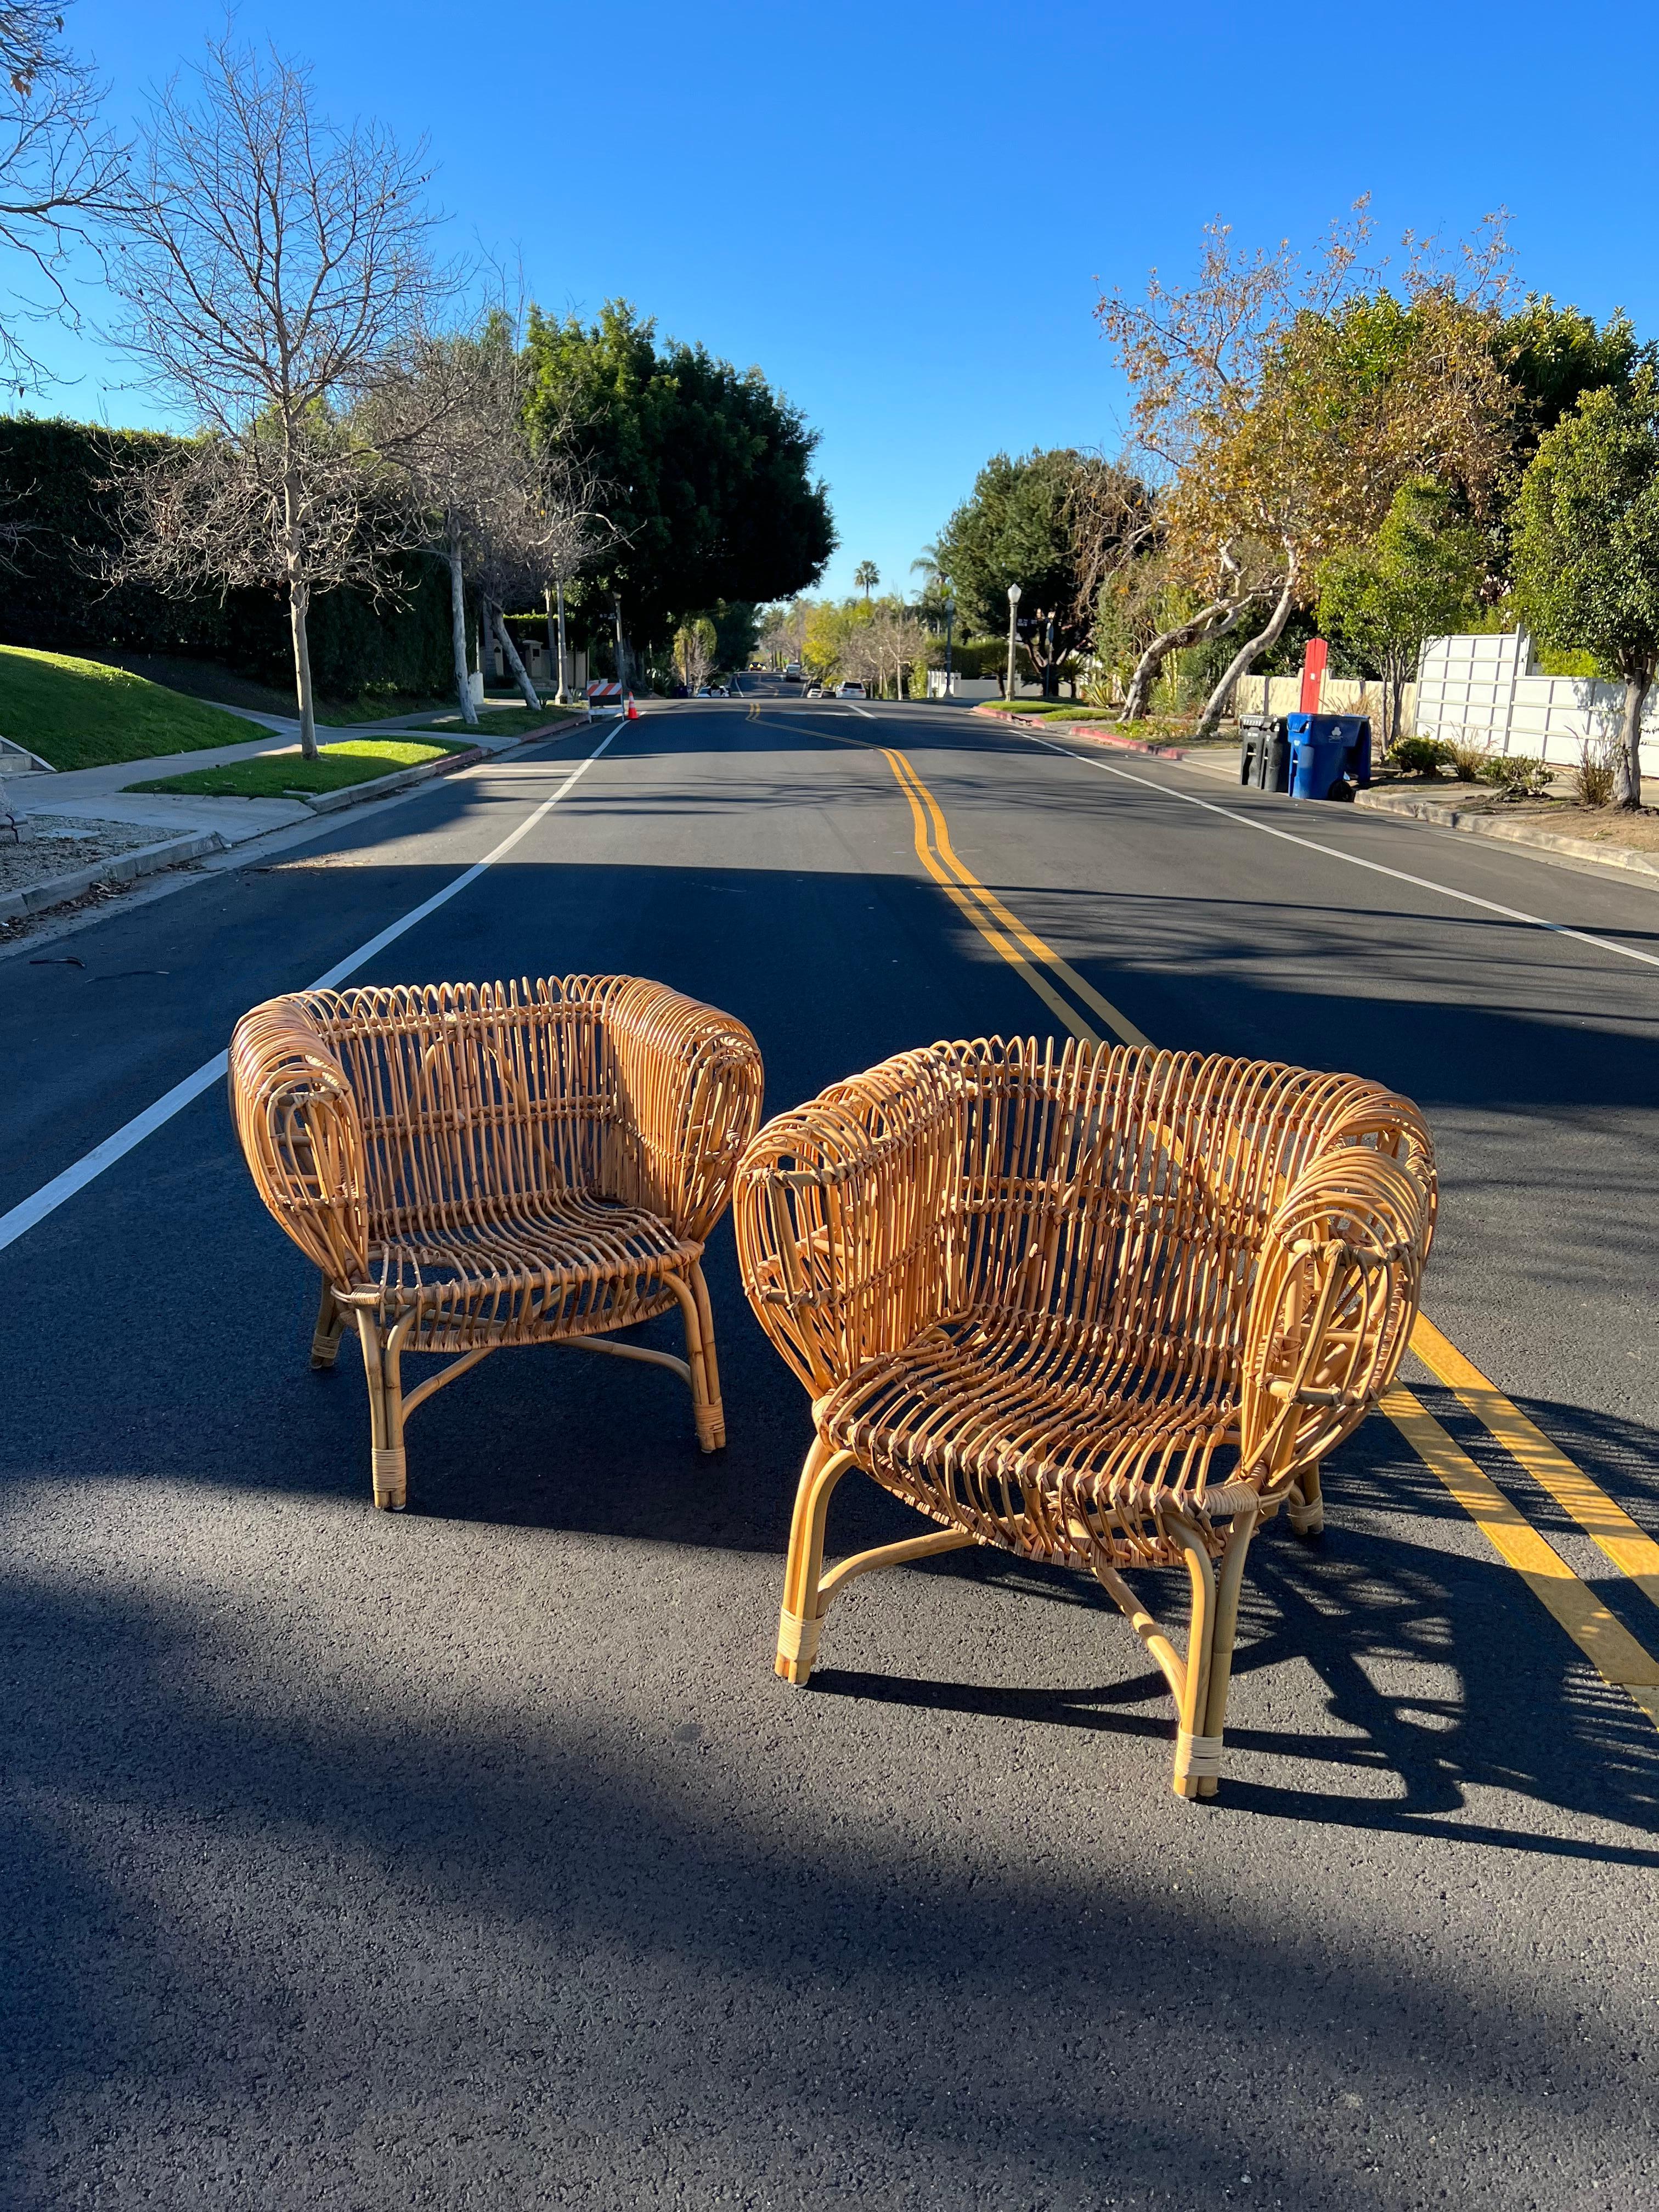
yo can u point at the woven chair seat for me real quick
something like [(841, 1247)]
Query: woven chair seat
[(564, 1267), (1053, 1438)]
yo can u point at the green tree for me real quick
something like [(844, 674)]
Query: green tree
[(1553, 355), (1418, 578), (1016, 529), (1587, 547), (709, 471), (866, 576)]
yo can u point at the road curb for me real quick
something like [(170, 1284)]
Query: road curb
[(119, 868), (1096, 735), (382, 786), (1624, 863)]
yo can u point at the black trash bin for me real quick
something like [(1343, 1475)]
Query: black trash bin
[(1264, 752)]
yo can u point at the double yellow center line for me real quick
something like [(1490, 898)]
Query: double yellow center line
[(1609, 1646)]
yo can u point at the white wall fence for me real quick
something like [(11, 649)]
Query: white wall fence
[(1486, 689), (1339, 697)]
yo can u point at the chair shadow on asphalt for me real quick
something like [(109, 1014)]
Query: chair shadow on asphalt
[(1522, 1711)]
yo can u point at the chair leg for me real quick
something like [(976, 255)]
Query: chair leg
[(1229, 1582), (802, 1605), (706, 1410), (711, 1364), (1194, 1756), (382, 1370), (330, 1321), (1203, 1702), (1306, 1509)]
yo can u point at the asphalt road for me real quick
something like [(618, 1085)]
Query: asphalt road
[(477, 1858)]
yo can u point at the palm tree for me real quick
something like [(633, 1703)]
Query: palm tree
[(930, 567), (866, 576)]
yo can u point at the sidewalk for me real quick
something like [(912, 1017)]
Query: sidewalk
[(92, 833)]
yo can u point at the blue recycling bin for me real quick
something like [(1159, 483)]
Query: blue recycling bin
[(1330, 754)]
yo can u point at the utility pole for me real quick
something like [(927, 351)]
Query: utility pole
[(622, 665), (950, 621)]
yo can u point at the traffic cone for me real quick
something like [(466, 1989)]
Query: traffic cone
[(633, 711)]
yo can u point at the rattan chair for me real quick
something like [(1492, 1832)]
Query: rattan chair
[(477, 1165), (1109, 1308)]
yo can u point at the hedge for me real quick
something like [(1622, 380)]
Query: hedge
[(55, 481)]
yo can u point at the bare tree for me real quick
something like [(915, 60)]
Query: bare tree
[(1283, 404), (62, 173), (694, 653), (573, 533), (269, 266), (517, 518)]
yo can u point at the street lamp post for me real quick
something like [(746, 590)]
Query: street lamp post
[(1013, 609), (555, 641), (950, 618)]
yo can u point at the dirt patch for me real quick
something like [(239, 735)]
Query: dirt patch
[(62, 842), (1596, 825)]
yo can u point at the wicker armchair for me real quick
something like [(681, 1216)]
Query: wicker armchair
[(1109, 1308), (476, 1166)]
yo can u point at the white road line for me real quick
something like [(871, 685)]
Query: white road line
[(28, 1211), (1333, 852)]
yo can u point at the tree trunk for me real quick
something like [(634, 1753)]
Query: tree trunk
[(1627, 783), (458, 632), (299, 605), (1215, 621), (510, 655), (1263, 642)]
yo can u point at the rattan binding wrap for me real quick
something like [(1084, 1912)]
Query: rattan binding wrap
[(1099, 1306), (476, 1166)]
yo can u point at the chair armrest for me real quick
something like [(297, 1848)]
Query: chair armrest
[(301, 1135), (1337, 1291), (849, 1221), (687, 1096)]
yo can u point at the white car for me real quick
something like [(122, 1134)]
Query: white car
[(850, 691), (813, 692)]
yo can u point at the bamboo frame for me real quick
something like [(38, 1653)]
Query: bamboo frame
[(472, 1166), (1106, 1307)]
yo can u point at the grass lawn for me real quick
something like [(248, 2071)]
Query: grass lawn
[(1073, 711), (273, 775), (81, 713), (508, 721), (206, 679)]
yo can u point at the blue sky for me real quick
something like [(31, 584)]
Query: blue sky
[(903, 213)]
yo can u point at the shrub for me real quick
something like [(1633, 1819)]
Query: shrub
[(1517, 776), (1421, 755), (1594, 776), (1468, 759)]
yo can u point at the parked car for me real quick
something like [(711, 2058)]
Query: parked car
[(849, 691), (718, 691), (814, 691)]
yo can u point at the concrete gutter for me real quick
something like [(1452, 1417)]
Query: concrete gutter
[(119, 868)]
